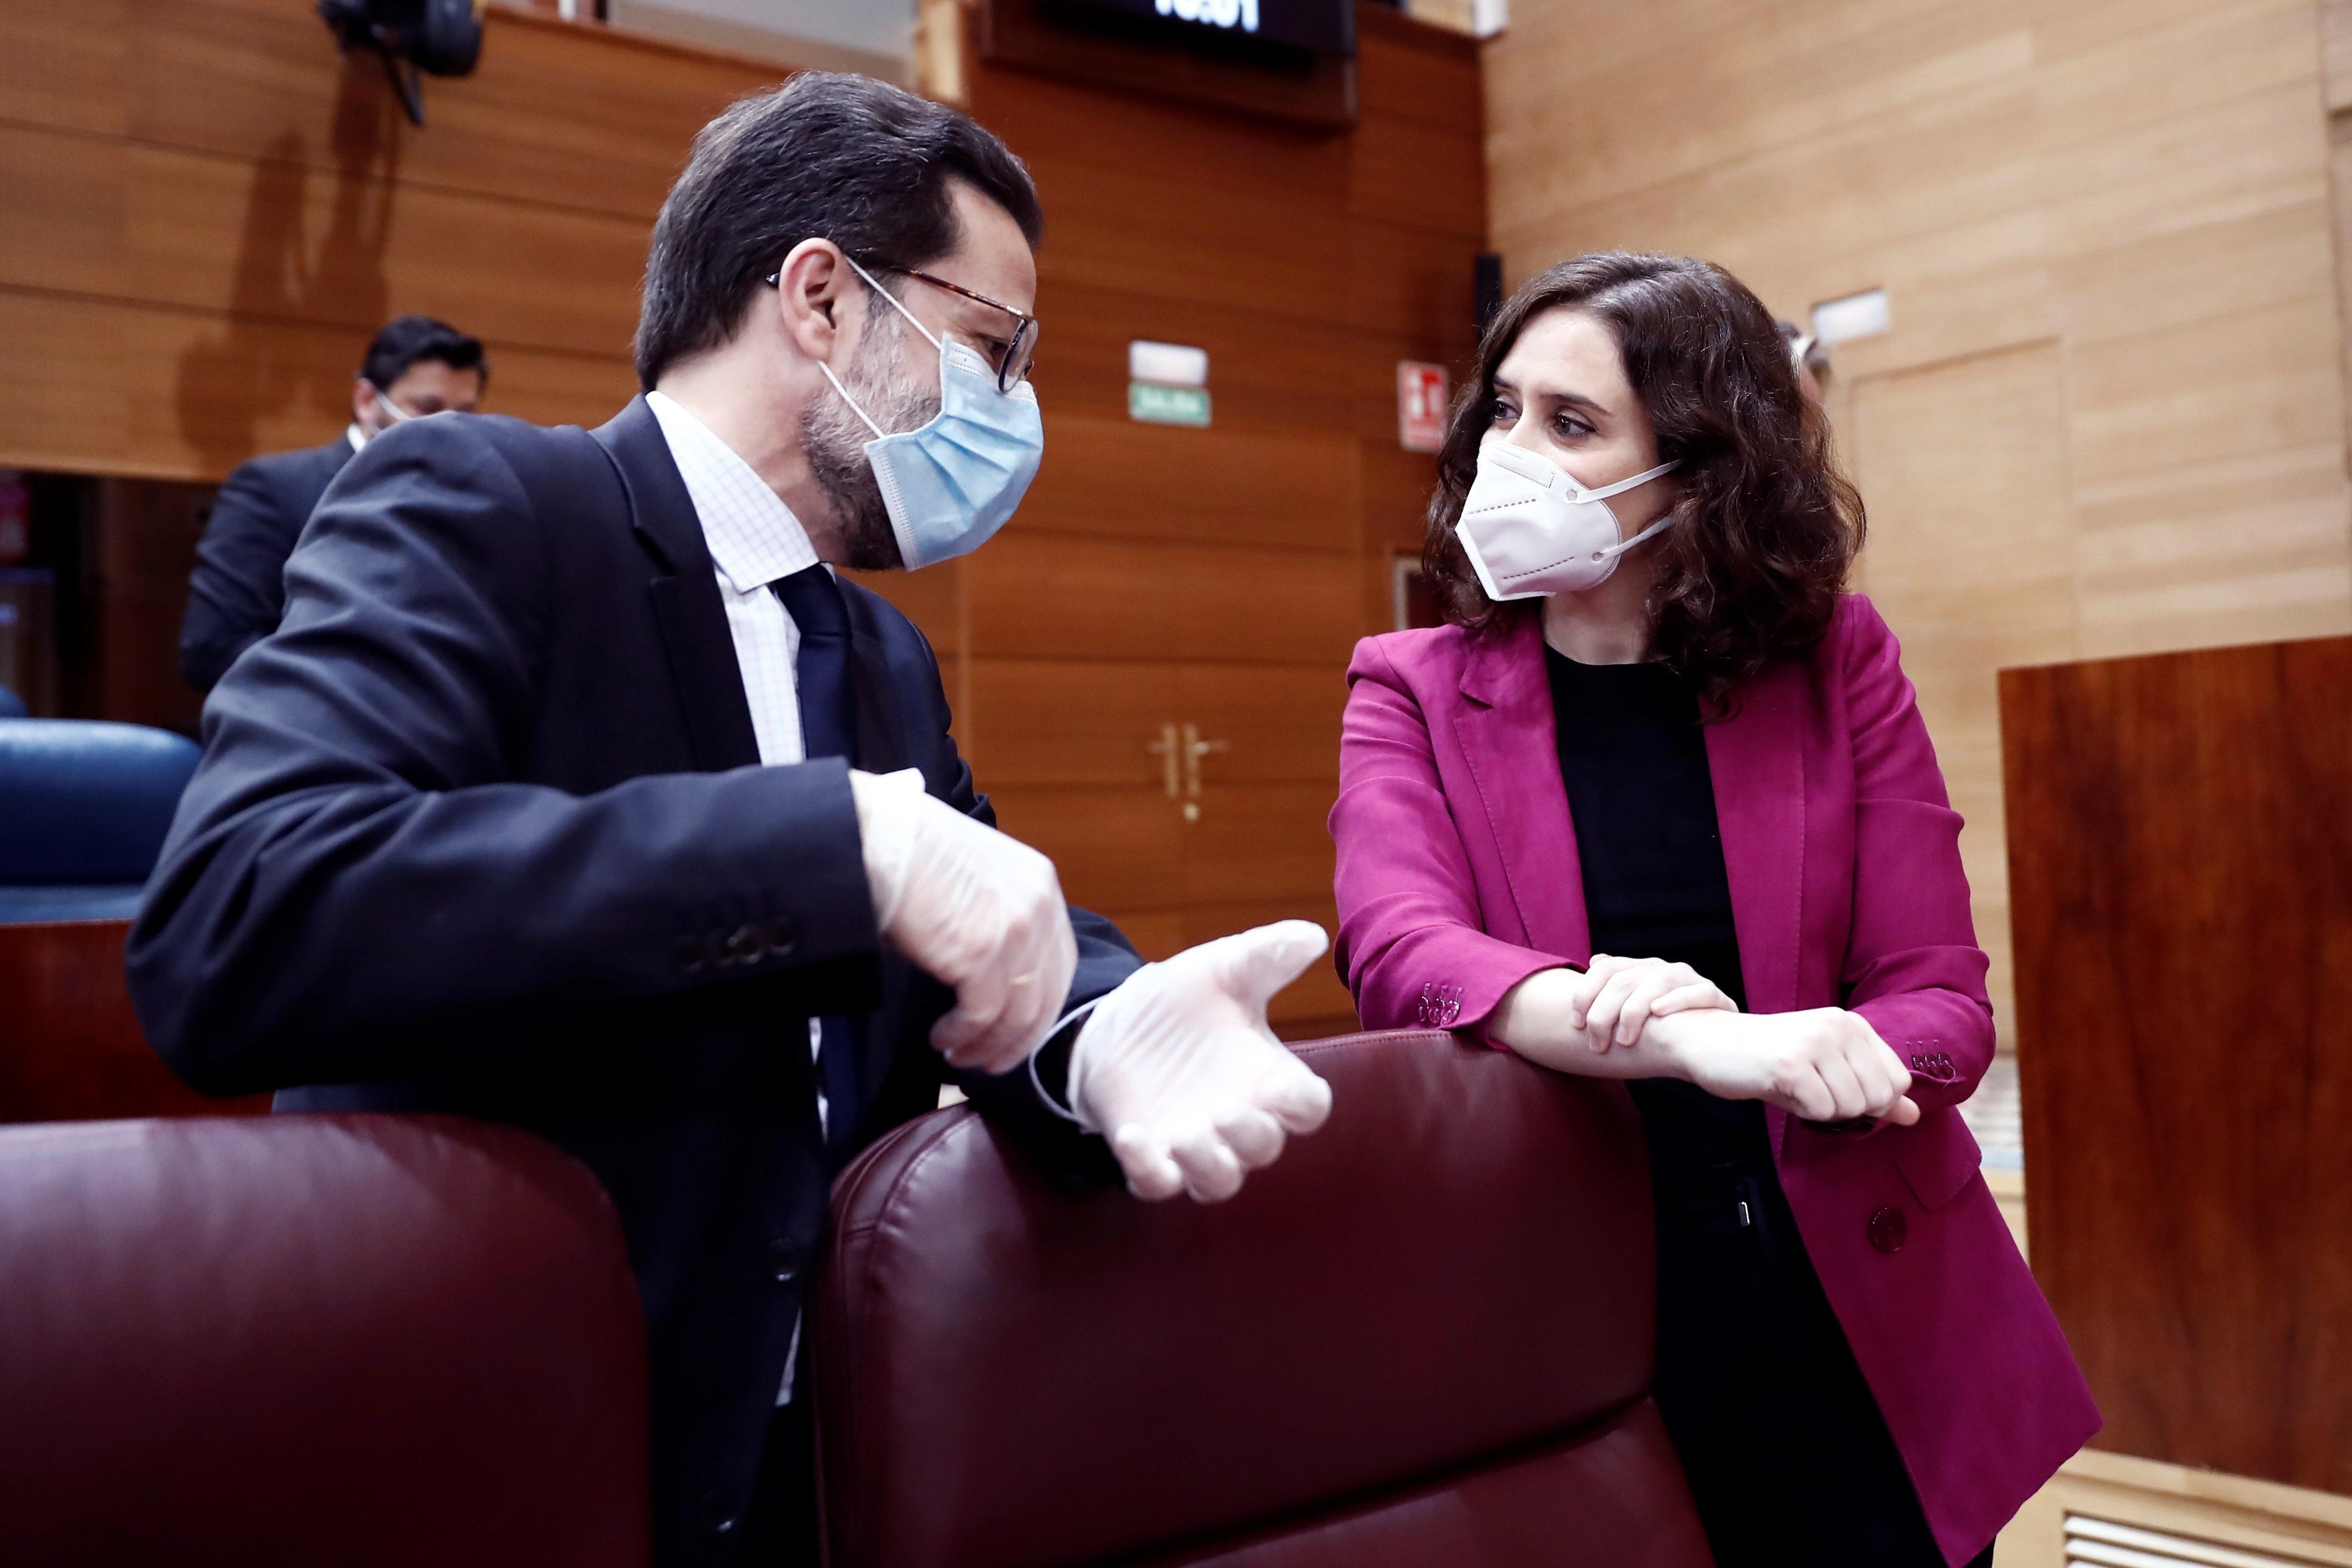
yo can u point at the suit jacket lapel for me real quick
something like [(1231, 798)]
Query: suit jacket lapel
[(684, 593), (1507, 733)]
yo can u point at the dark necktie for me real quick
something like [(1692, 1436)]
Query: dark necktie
[(828, 729)]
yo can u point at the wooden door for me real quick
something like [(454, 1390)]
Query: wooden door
[(1160, 711)]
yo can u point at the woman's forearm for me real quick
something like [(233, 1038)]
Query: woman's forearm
[(1537, 1019)]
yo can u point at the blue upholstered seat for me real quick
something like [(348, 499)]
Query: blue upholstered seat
[(11, 705), (84, 807)]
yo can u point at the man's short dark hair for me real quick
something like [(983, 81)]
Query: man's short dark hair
[(406, 340), (826, 157)]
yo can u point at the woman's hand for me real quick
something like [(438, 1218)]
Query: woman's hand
[(1825, 1065), (1616, 998)]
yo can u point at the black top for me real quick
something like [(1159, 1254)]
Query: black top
[(1788, 1456), (1633, 757)]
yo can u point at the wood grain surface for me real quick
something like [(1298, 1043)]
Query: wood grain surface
[(74, 1050), (2181, 884)]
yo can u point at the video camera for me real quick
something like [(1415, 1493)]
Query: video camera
[(436, 38)]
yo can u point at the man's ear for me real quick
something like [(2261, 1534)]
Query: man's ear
[(359, 404), (814, 291)]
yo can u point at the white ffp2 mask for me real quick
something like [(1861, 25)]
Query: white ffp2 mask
[(1530, 530)]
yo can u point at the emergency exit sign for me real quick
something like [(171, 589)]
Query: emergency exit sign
[(1168, 405), (1168, 384)]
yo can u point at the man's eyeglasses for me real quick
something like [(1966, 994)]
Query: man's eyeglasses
[(1012, 356)]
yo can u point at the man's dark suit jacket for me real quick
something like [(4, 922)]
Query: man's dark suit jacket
[(482, 829), (237, 591)]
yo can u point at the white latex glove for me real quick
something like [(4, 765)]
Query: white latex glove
[(976, 910), (1178, 1069)]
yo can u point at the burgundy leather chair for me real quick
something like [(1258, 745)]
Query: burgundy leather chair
[(358, 1339), (1422, 1338)]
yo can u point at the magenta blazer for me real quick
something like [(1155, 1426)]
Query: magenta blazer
[(1458, 878)]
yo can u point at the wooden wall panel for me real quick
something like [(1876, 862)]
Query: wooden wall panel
[(1039, 597), (2126, 202), (1051, 722), (107, 386), (210, 212), (76, 55), (2180, 860), (1113, 849), (325, 248), (1117, 478), (557, 113)]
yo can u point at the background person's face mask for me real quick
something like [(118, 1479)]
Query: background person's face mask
[(950, 484), (393, 411), (1530, 530)]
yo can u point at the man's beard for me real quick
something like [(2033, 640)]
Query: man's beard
[(834, 439)]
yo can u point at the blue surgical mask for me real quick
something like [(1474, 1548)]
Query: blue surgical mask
[(950, 484)]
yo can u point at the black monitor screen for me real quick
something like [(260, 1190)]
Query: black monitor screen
[(1325, 26)]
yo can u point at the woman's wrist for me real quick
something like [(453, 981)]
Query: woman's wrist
[(1533, 1015), (1679, 1037)]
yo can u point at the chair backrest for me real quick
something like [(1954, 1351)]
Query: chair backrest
[(11, 705), (86, 802), (361, 1339), (1423, 1337)]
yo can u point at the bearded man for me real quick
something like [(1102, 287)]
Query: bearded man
[(576, 792)]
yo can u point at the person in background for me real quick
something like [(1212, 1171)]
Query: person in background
[(415, 366), (1811, 357), (578, 793), (1658, 805)]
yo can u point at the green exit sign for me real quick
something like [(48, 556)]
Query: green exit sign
[(1168, 405)]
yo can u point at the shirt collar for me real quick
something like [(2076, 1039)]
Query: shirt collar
[(752, 536), (354, 435)]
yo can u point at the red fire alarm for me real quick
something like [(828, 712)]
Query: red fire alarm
[(1421, 406)]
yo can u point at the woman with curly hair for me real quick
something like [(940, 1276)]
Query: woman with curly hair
[(1657, 805)]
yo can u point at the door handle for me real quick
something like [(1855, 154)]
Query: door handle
[(1195, 748), (1171, 753)]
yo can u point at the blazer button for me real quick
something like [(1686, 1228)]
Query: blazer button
[(718, 1512), (785, 1260), (744, 944), (1889, 1229), (784, 935), (714, 950), (688, 952)]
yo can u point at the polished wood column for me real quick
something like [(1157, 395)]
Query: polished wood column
[(2180, 868)]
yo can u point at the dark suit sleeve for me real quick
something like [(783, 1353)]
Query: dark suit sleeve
[(355, 886), (236, 594), (1106, 958)]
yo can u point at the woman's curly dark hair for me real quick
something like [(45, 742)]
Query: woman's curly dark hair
[(1766, 529)]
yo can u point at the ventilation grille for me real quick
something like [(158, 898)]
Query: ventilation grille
[(2103, 1542)]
